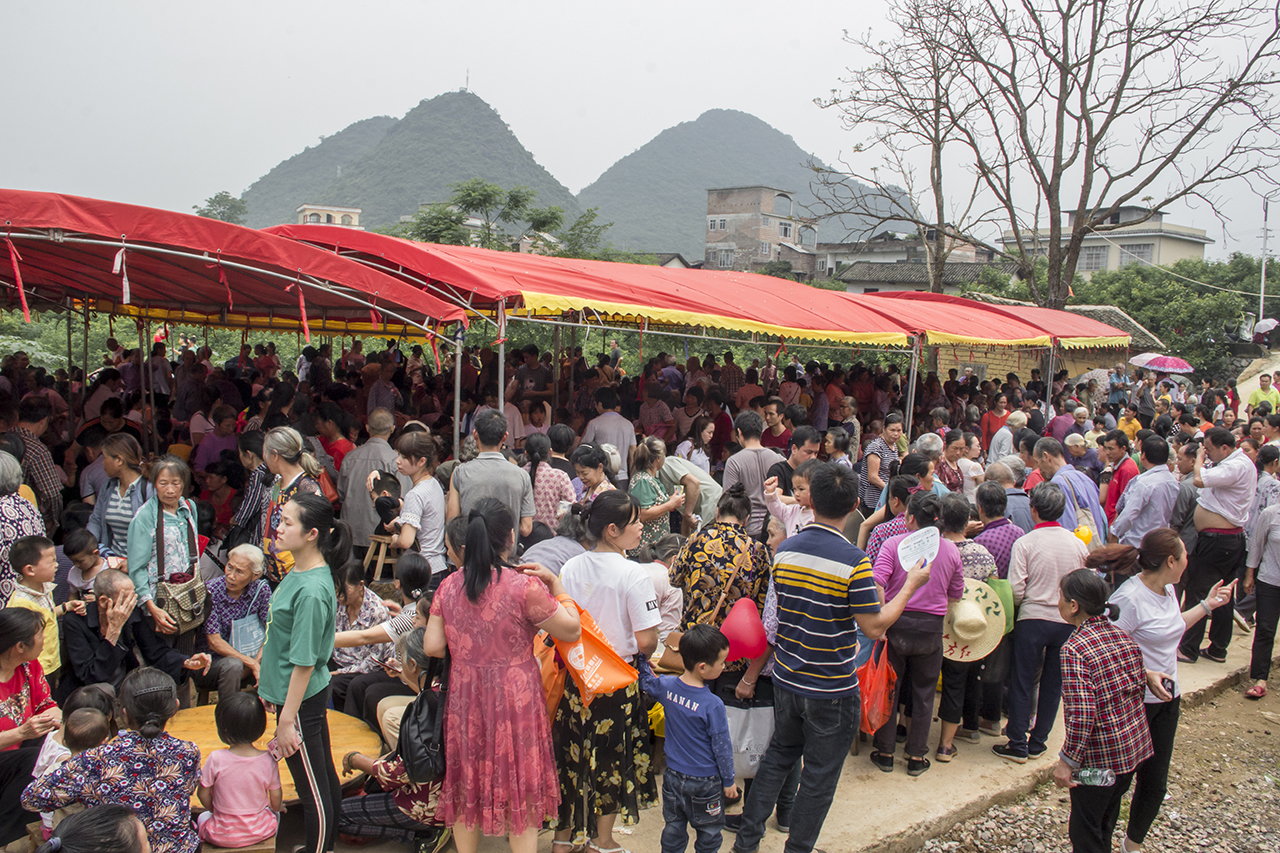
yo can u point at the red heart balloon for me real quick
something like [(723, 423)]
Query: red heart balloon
[(745, 630)]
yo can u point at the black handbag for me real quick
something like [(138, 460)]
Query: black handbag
[(421, 746)]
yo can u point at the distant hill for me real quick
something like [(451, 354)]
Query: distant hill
[(274, 198), (450, 138), (656, 197)]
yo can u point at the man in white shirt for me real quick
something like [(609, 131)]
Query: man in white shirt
[(610, 427), (1226, 493), (1148, 499)]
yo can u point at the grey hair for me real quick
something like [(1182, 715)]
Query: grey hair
[(469, 450), (1017, 466), (999, 472), (109, 582), (1048, 501), (930, 444), (412, 648), (668, 547), (253, 553), (10, 474)]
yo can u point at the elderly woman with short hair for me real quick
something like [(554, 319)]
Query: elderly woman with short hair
[(240, 594), (18, 518)]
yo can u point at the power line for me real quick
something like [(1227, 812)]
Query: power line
[(1171, 272)]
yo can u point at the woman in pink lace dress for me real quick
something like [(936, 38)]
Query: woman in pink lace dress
[(500, 777)]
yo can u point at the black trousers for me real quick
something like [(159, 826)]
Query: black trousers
[(1217, 557), (1151, 780), (366, 690), (1264, 632), (961, 693), (16, 768), (1094, 811), (315, 776)]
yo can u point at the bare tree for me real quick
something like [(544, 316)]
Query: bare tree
[(912, 97), (1086, 106)]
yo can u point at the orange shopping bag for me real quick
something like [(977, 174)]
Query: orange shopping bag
[(877, 682), (596, 668), (553, 671)]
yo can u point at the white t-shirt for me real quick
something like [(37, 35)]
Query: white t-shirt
[(617, 593), (698, 456), (1155, 623), (612, 428), (970, 471), (424, 509)]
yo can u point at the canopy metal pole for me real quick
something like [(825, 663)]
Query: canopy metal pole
[(458, 336), (502, 358), (72, 420), (142, 383), (555, 363), (573, 365), (150, 391), (84, 372), (911, 386)]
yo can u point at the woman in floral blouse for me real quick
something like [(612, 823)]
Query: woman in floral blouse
[(655, 505), (26, 712), (723, 555), (551, 486), (404, 811), (152, 771)]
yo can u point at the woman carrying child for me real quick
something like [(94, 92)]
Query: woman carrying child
[(153, 771)]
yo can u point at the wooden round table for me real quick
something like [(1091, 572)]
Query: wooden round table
[(345, 734)]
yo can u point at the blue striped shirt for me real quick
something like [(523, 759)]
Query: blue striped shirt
[(821, 580)]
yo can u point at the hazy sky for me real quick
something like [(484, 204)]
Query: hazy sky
[(166, 103)]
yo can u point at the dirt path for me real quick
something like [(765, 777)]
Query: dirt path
[(1224, 793)]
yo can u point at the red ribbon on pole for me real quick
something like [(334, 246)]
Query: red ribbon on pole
[(222, 279), (435, 350), (502, 326), (14, 257), (374, 317), (782, 347), (302, 305)]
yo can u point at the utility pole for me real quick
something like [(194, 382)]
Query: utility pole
[(1262, 286)]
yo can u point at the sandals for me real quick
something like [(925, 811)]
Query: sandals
[(882, 760), (1213, 656), (917, 766), (592, 848), (946, 755), (1257, 691)]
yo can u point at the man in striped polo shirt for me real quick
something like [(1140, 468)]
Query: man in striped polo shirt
[(825, 592)]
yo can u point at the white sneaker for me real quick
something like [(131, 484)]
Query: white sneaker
[(1241, 622)]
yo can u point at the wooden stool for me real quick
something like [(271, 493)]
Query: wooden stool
[(267, 846), (386, 552)]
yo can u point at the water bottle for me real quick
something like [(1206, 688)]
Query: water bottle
[(1098, 777)]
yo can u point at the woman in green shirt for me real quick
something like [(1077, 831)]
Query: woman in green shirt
[(295, 675)]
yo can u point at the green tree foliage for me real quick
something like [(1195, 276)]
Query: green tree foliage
[(223, 206), (437, 223), (777, 269)]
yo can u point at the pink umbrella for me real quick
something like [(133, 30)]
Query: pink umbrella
[(1161, 363)]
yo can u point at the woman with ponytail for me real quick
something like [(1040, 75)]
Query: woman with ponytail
[(295, 676), (1103, 677), (1149, 613), (500, 777), (297, 472), (551, 486), (144, 766), (603, 750), (101, 829)]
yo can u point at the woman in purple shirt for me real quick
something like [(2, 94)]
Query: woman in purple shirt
[(916, 638)]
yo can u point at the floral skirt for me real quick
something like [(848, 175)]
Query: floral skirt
[(604, 754)]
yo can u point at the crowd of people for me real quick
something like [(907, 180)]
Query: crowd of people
[(1117, 518)]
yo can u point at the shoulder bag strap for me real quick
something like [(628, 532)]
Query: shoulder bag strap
[(160, 576), (725, 591)]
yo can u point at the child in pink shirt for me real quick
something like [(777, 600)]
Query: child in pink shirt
[(241, 785)]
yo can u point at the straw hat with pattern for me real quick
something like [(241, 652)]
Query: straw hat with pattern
[(973, 625)]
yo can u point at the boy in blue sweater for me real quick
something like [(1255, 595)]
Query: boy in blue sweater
[(699, 752)]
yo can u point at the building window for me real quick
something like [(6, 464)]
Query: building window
[(1135, 253), (764, 222), (1093, 259), (870, 290), (722, 225), (784, 230), (822, 265), (711, 225), (346, 219), (725, 259), (766, 248), (313, 217)]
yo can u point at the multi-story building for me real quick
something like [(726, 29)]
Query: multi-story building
[(326, 214), (1151, 241), (889, 247), (747, 227)]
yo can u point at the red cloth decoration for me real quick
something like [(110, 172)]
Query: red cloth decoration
[(14, 257), (302, 306)]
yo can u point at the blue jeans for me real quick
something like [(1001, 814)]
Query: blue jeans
[(696, 801), (1034, 641), (818, 730)]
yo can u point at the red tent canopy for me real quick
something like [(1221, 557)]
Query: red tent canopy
[(484, 279), (188, 268), (954, 320)]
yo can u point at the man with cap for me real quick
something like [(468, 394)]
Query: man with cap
[(1002, 441)]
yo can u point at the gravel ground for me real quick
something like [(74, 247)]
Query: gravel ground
[(1224, 793)]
